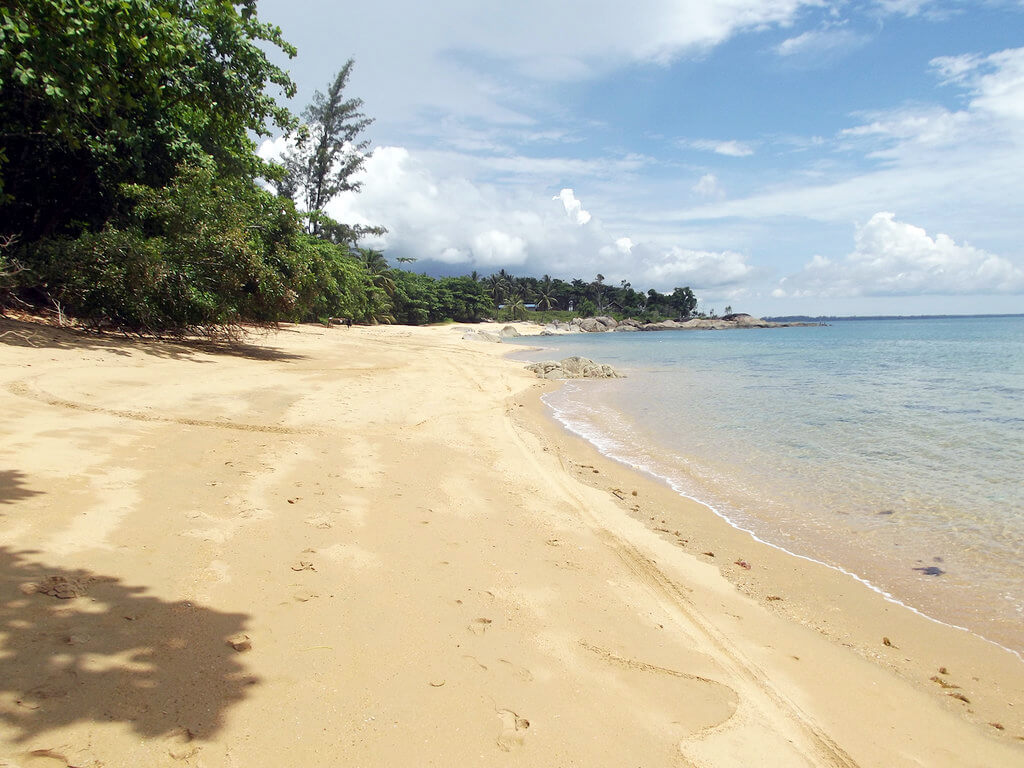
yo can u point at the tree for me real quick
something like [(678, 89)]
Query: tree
[(683, 301), (327, 155), (546, 294), (516, 307), (95, 94), (199, 255), (377, 266), (498, 286)]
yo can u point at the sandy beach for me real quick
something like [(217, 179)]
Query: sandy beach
[(372, 547)]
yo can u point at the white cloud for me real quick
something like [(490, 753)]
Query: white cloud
[(476, 103), (442, 218), (904, 7), (477, 59), (894, 258), (729, 148), (496, 248), (951, 167), (700, 269), (996, 81), (573, 207), (708, 186), (820, 42)]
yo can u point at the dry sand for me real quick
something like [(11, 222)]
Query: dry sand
[(370, 547)]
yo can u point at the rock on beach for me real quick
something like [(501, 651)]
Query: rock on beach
[(573, 368)]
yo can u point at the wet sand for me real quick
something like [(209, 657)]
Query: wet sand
[(372, 547)]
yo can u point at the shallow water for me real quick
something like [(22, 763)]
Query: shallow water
[(893, 449)]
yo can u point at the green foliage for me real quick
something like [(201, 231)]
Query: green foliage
[(464, 300), (326, 156), (337, 284), (419, 299), (98, 93), (200, 253), (683, 301), (127, 175), (561, 300)]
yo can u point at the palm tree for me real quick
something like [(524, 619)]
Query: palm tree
[(379, 269), (517, 307), (546, 294), (499, 286), (578, 292)]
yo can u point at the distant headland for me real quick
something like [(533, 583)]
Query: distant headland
[(831, 318)]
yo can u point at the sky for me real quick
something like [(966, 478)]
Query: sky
[(777, 156)]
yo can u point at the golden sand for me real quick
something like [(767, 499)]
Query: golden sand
[(370, 547)]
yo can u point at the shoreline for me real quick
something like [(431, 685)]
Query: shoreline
[(819, 499), (378, 538), (664, 480), (779, 573)]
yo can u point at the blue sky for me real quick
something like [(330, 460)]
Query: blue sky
[(779, 156)]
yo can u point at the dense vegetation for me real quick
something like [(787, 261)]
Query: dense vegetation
[(131, 194)]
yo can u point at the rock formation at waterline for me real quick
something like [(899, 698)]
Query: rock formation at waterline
[(573, 368)]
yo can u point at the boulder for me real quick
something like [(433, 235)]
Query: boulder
[(509, 332), (706, 324), (664, 325), (607, 322), (749, 321), (481, 336), (573, 368), (592, 325), (558, 327)]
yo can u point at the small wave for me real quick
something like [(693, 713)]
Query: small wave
[(615, 449)]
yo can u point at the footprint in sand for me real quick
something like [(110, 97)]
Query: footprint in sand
[(479, 626), (518, 672), (513, 729)]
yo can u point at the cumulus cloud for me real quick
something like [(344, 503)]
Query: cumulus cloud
[(451, 223), (729, 148), (494, 247), (573, 207), (708, 186), (677, 266), (894, 258)]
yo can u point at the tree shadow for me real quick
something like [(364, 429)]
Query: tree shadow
[(19, 333), (12, 487), (110, 653)]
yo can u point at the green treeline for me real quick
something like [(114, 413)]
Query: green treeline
[(131, 194)]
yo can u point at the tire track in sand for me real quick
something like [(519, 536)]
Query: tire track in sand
[(818, 748), (22, 389)]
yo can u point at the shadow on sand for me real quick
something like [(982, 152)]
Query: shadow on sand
[(110, 653), (12, 487), (17, 333)]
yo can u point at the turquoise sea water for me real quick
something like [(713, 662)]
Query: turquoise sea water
[(893, 449)]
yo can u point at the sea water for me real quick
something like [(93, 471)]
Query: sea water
[(891, 449)]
